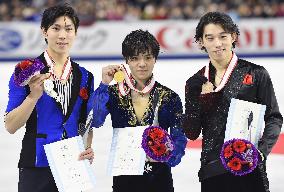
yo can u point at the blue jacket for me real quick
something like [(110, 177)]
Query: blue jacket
[(47, 121)]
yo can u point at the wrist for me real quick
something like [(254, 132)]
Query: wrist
[(31, 98), (88, 147), (105, 82)]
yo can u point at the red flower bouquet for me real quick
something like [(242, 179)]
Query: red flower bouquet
[(239, 156), (157, 143)]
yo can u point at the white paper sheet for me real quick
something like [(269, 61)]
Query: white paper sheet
[(245, 121), (127, 156), (70, 174)]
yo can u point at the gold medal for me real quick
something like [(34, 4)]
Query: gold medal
[(119, 76)]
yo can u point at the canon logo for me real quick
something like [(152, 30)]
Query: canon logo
[(176, 38)]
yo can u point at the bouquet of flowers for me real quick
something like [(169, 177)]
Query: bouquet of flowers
[(157, 143), (25, 70), (239, 156)]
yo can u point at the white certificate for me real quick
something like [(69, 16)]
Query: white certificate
[(70, 174), (127, 156), (245, 121)]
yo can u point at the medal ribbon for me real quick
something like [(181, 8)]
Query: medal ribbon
[(227, 74), (48, 83), (128, 80), (66, 71)]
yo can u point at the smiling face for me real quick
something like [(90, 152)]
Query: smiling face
[(217, 43), (60, 36), (141, 66)]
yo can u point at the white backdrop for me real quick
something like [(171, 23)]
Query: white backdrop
[(173, 74), (176, 37)]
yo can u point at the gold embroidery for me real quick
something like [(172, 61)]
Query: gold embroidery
[(125, 103)]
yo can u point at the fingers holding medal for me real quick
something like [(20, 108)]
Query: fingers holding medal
[(207, 88), (112, 72)]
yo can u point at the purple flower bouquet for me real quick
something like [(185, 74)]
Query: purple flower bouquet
[(239, 156), (157, 143), (25, 70)]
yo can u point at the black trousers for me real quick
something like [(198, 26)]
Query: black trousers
[(229, 183), (159, 179), (36, 180)]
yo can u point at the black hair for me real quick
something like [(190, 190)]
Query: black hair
[(222, 19), (52, 13), (140, 41)]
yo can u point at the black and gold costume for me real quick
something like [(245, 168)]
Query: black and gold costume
[(121, 109)]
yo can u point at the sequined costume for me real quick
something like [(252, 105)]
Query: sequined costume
[(208, 114), (108, 100)]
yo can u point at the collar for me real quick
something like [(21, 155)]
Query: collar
[(66, 71), (125, 86), (227, 74)]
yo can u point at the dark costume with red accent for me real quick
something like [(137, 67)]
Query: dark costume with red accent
[(207, 113)]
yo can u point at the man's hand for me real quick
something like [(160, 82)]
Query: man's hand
[(108, 73), (87, 154), (36, 85), (207, 88), (194, 85)]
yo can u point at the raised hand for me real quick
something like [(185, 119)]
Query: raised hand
[(108, 73), (36, 85), (207, 88), (194, 85)]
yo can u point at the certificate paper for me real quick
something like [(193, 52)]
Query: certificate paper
[(245, 120), (127, 156), (70, 174)]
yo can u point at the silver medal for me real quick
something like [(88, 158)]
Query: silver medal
[(48, 85), (48, 88)]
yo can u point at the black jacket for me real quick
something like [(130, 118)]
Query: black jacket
[(208, 113)]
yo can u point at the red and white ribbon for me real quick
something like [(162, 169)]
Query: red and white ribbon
[(227, 74), (124, 91), (66, 71)]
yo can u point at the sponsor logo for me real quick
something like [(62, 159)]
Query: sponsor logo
[(9, 40), (179, 38)]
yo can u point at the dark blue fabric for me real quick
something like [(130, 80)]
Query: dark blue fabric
[(98, 103), (108, 100), (36, 180)]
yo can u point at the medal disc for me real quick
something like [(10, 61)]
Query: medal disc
[(119, 76), (48, 85)]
